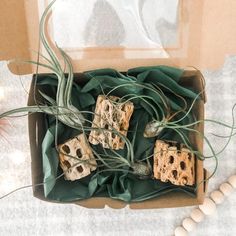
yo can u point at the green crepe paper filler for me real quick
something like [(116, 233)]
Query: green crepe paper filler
[(118, 185)]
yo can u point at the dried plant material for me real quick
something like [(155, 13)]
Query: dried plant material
[(110, 114), (153, 129), (76, 158), (173, 163)]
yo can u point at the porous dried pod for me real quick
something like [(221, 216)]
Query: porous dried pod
[(76, 158), (109, 115), (173, 162)]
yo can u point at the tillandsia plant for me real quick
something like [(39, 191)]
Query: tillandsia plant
[(181, 121), (62, 107), (152, 95)]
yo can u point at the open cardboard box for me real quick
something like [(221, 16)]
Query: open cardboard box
[(37, 130), (201, 43)]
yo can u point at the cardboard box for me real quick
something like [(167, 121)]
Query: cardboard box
[(191, 78), (197, 46)]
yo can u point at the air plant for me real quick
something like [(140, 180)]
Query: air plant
[(173, 121), (62, 107)]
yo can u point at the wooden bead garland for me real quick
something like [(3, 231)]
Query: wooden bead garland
[(217, 197), (232, 181), (207, 208), (180, 231), (189, 224), (197, 215), (226, 189)]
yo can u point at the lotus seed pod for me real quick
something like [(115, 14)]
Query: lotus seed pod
[(232, 180), (208, 207), (180, 231), (217, 197), (226, 189), (197, 215), (189, 224)]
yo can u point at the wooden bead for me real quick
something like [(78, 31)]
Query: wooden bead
[(226, 189), (180, 231), (189, 224), (217, 197), (208, 207), (232, 180), (197, 215)]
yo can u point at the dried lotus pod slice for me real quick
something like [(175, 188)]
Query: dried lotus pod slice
[(110, 114), (76, 158), (173, 162)]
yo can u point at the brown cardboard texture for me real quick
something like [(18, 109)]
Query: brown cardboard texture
[(37, 131), (206, 35)]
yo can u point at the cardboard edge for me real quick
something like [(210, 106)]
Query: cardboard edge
[(100, 203), (200, 83), (35, 121)]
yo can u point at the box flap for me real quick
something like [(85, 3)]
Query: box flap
[(13, 32), (178, 32)]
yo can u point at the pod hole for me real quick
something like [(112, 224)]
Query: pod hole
[(174, 173), (182, 165), (66, 149), (171, 160), (80, 169), (78, 153)]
